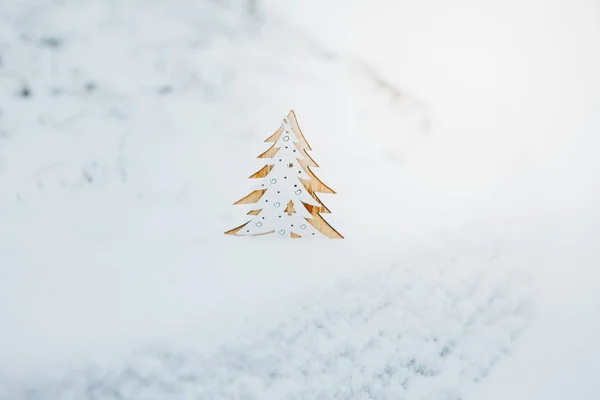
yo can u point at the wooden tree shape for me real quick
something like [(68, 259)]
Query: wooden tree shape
[(285, 200)]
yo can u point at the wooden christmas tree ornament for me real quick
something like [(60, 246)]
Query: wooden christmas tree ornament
[(285, 201)]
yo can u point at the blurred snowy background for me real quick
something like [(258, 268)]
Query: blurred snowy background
[(461, 137)]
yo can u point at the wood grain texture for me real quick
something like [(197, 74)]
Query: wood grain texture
[(264, 171), (266, 233), (234, 231), (293, 121), (307, 161), (252, 197), (290, 208), (323, 226), (254, 212), (314, 184), (270, 153), (314, 210), (275, 137), (239, 228)]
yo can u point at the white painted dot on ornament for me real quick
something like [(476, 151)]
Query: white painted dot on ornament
[(282, 232), (259, 224), (298, 191), (303, 226), (277, 204), (286, 138), (273, 181)]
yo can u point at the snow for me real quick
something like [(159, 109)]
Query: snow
[(461, 141)]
